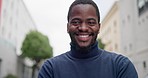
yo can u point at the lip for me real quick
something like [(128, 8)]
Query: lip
[(84, 37)]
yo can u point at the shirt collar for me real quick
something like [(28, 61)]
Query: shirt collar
[(84, 53)]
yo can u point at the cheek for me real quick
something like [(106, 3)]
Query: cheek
[(97, 30), (71, 29)]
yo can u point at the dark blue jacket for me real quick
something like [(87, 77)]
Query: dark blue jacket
[(92, 63)]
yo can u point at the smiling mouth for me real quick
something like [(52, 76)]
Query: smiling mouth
[(84, 37), (84, 34)]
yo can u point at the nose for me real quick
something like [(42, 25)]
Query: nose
[(83, 27)]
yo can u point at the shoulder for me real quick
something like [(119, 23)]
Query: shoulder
[(118, 60), (122, 64), (114, 56), (47, 67), (56, 58)]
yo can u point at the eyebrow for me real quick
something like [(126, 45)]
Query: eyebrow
[(92, 19), (75, 19), (86, 19)]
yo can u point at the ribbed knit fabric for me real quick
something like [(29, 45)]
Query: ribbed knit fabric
[(85, 53), (90, 63)]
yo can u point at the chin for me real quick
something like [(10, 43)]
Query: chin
[(84, 45)]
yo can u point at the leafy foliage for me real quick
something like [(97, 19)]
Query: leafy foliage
[(100, 44), (10, 76), (36, 46)]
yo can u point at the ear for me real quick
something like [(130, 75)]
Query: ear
[(67, 27), (99, 25)]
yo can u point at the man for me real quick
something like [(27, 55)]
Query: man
[(85, 59)]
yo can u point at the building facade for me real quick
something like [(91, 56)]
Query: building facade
[(110, 30), (15, 23), (124, 30)]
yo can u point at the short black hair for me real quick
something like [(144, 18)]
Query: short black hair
[(76, 2)]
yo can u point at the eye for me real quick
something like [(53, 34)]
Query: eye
[(75, 22), (91, 22)]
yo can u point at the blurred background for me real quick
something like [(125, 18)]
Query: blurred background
[(124, 29)]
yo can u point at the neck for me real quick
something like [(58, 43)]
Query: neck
[(83, 53)]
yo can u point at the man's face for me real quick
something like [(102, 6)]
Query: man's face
[(83, 26)]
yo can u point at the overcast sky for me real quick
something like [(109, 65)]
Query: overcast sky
[(50, 17)]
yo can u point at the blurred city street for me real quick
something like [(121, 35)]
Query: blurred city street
[(124, 28)]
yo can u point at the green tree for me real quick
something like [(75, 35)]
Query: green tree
[(36, 46), (10, 76), (100, 44)]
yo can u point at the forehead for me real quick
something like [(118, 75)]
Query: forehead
[(83, 10)]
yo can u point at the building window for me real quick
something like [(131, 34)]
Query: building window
[(144, 65), (4, 14), (125, 49), (139, 23), (115, 26), (10, 20), (0, 66), (115, 23), (130, 46), (12, 5), (9, 35), (116, 47), (128, 18), (146, 17), (123, 22), (3, 31), (142, 6)]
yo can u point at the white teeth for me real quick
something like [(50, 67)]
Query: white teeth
[(83, 36)]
